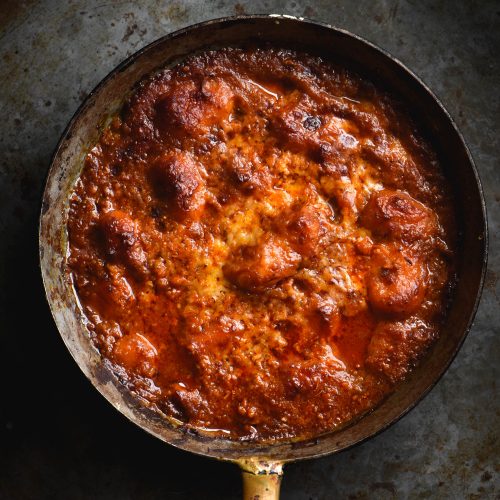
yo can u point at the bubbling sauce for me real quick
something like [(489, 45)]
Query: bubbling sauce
[(262, 244)]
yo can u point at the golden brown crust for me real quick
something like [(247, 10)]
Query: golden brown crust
[(396, 215), (395, 347), (262, 265), (121, 241), (396, 281), (262, 243), (177, 179)]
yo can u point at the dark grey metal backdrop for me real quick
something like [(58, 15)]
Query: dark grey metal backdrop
[(69, 443)]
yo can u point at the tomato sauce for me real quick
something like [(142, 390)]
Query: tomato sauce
[(262, 244)]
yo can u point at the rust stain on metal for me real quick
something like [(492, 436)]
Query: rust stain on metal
[(12, 10), (239, 9), (387, 486), (491, 283), (309, 11), (491, 279), (177, 12)]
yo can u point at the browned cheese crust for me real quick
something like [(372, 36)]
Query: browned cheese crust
[(262, 244)]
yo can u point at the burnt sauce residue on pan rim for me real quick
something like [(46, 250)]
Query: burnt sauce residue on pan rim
[(262, 243)]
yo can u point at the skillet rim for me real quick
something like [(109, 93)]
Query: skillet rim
[(234, 445)]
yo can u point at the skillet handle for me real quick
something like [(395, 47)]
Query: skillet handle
[(261, 480)]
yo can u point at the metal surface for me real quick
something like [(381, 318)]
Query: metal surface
[(411, 460), (106, 100)]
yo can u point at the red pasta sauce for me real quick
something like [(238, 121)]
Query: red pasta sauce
[(262, 243)]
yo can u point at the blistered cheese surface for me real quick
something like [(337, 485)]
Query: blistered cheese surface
[(262, 244)]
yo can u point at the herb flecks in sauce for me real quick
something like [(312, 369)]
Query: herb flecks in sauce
[(262, 244)]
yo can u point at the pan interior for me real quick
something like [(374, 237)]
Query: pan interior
[(329, 43)]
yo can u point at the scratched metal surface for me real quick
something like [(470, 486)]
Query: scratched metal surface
[(68, 442)]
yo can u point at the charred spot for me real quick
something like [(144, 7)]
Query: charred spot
[(155, 212), (222, 198), (283, 325), (239, 113), (187, 403), (176, 177), (312, 123), (303, 285), (173, 407), (288, 83), (387, 274), (116, 169)]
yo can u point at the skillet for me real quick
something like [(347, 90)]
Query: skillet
[(262, 463)]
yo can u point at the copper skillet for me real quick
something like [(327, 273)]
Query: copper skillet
[(262, 463)]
